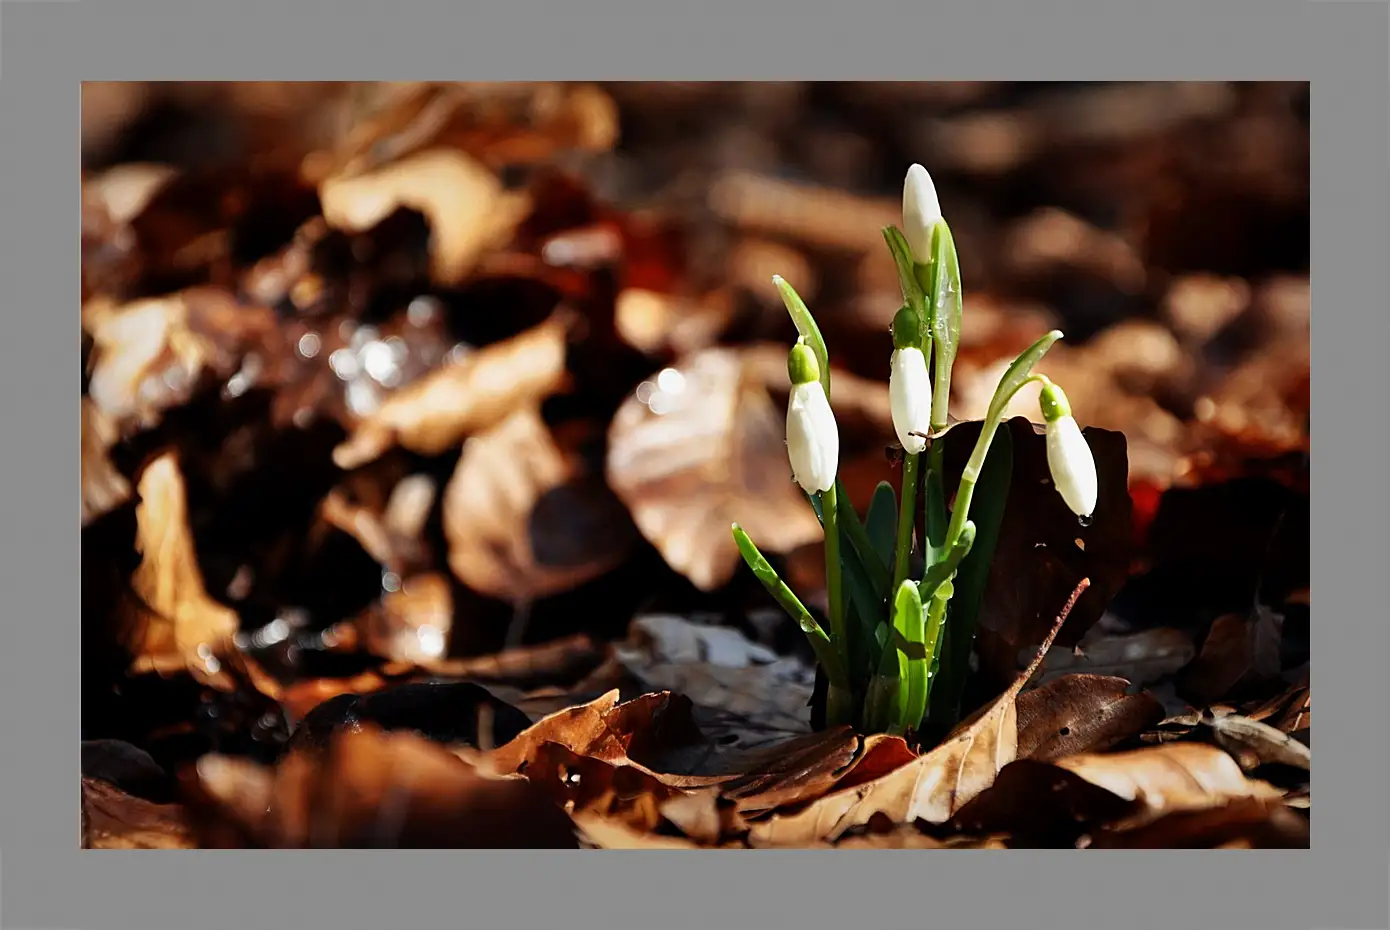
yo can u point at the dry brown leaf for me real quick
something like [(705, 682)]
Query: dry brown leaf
[(149, 354), (103, 487), (1247, 823), (434, 415), (602, 832), (794, 770), (187, 625), (1081, 713), (932, 787), (580, 727), (1171, 777), (812, 214), (411, 623), (370, 789), (756, 695), (703, 448), (910, 837), (137, 360), (112, 819), (1240, 651), (1263, 744), (653, 322), (1051, 238), (653, 743), (525, 519), (1287, 712), (623, 791), (124, 190), (1140, 658), (466, 206)]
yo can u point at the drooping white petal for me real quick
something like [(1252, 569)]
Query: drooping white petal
[(921, 211), (813, 442), (910, 398), (1071, 463)]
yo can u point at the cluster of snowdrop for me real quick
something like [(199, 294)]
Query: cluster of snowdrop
[(892, 637)]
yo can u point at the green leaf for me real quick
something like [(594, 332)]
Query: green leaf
[(936, 614), (988, 512), (910, 623), (853, 532), (945, 314), (913, 294), (942, 570), (881, 523), (806, 328), (902, 668), (1019, 371), (935, 515), (861, 584), (764, 572)]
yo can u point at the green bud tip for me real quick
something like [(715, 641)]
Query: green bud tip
[(1053, 402), (801, 365), (907, 329)]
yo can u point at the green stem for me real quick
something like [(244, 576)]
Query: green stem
[(835, 608), (908, 500), (932, 637), (971, 473)]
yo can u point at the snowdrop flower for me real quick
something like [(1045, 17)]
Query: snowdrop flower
[(910, 386), (1069, 457), (813, 443), (921, 211)]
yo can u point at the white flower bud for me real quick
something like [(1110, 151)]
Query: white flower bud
[(921, 211), (1071, 464), (813, 443), (910, 398)]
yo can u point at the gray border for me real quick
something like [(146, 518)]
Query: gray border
[(1339, 46)]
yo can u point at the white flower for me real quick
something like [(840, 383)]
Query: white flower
[(813, 443), (921, 211), (910, 398), (1071, 464)]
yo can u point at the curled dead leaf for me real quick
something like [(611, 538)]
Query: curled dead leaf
[(1247, 823), (1287, 712), (112, 819), (149, 354), (186, 624), (601, 729), (697, 450), (1171, 777), (748, 694), (600, 832), (434, 414), (525, 519), (369, 789), (1240, 651), (466, 206), (1262, 743), (1081, 713)]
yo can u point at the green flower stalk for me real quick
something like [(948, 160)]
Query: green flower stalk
[(890, 634)]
